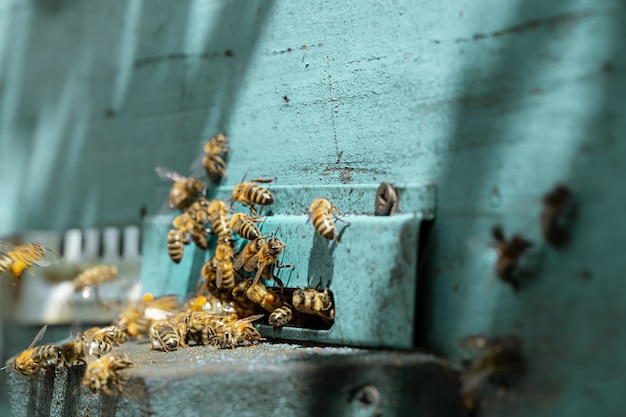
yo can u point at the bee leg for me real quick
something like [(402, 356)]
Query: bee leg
[(279, 282), (262, 180)]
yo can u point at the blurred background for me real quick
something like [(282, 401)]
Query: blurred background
[(494, 102)]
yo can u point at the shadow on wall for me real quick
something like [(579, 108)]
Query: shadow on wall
[(95, 95), (540, 105)]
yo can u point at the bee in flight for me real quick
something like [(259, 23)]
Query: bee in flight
[(16, 259), (321, 213), (184, 191), (95, 276)]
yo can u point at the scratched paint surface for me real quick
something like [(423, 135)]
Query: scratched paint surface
[(493, 101)]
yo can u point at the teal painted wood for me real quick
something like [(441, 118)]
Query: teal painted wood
[(493, 101)]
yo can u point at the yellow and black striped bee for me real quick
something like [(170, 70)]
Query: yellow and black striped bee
[(241, 332), (95, 276), (164, 336), (16, 259), (200, 328), (280, 317), (113, 335), (266, 299), (321, 213), (176, 242), (73, 353), (218, 216), (244, 226), (103, 373), (312, 301), (185, 190), (247, 258), (213, 163), (248, 194), (267, 259), (36, 360)]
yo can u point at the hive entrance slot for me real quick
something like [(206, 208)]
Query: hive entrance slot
[(303, 319)]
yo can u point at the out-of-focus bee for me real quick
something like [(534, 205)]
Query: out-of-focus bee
[(238, 333), (243, 305), (184, 190), (96, 347), (248, 194), (509, 252), (321, 213), (213, 163), (72, 353), (267, 259), (95, 276), (280, 317), (165, 336), (218, 216), (103, 374), (266, 299), (244, 226), (114, 335), (196, 303), (189, 227), (248, 256), (16, 259), (175, 244), (200, 328), (199, 210), (36, 360), (137, 318), (499, 362), (558, 216), (312, 301)]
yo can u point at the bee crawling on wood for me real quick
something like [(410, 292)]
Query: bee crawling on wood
[(36, 360), (509, 253), (249, 194), (212, 158), (321, 213), (102, 375)]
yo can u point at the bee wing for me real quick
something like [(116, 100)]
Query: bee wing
[(157, 313), (38, 336), (472, 380), (6, 246), (168, 174), (166, 302), (218, 276), (50, 258), (251, 263), (250, 319), (196, 165)]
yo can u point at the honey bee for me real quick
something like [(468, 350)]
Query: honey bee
[(237, 333), (248, 193), (16, 259), (243, 305), (509, 252), (500, 362), (114, 335), (267, 259), (175, 244), (137, 318), (103, 373), (165, 336), (213, 163), (260, 295), (244, 226), (96, 347), (557, 216), (280, 317), (248, 256), (184, 190), (36, 360), (218, 216), (312, 301), (189, 227), (225, 274), (72, 354), (321, 213), (95, 276), (200, 328)]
